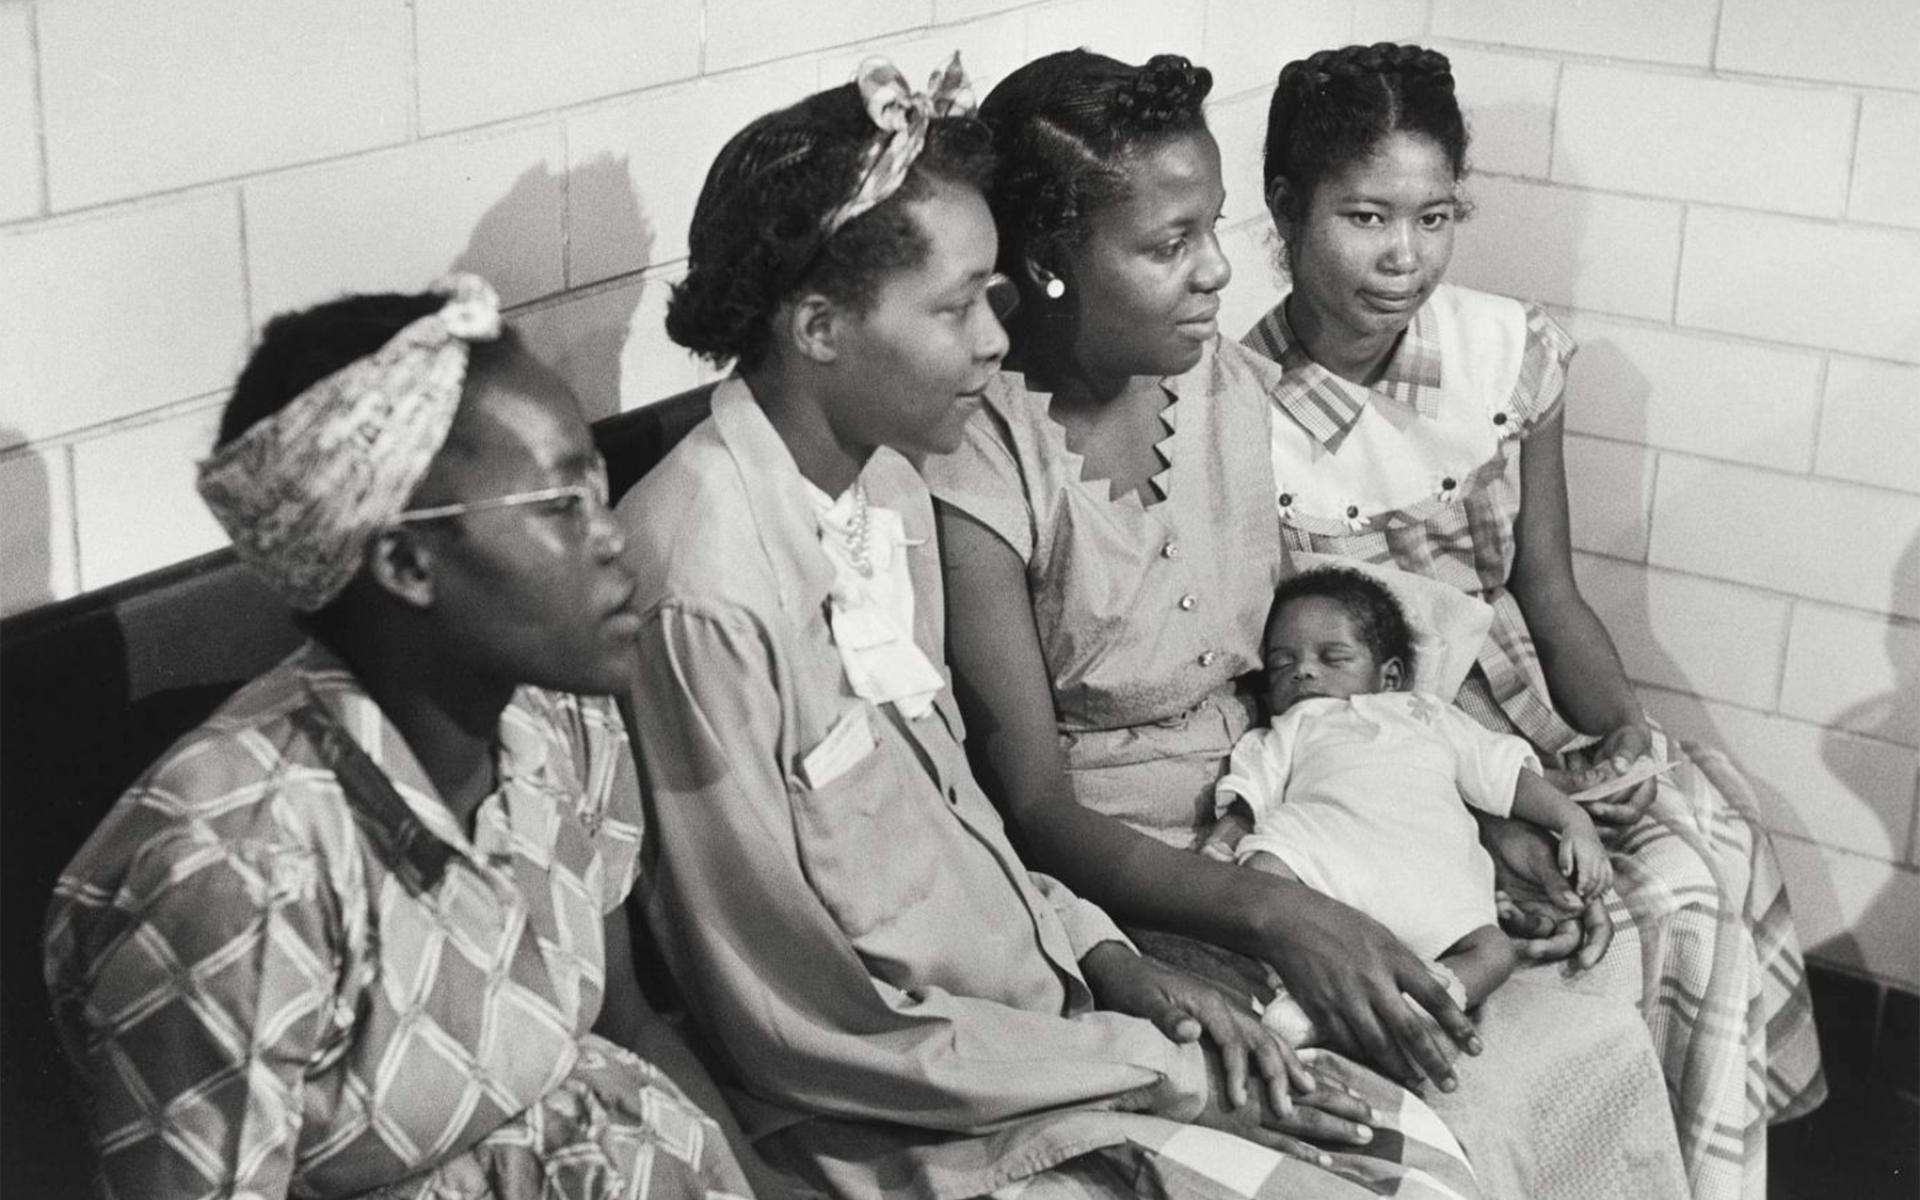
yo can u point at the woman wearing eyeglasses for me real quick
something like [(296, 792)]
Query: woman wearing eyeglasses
[(363, 930)]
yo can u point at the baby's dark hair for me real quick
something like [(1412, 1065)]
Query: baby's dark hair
[(1376, 615), (299, 349), (758, 238), (1334, 108), (1065, 126)]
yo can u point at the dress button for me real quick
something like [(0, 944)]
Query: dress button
[(1170, 550), (1207, 657), (1188, 601)]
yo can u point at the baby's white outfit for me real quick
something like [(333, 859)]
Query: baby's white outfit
[(1361, 798)]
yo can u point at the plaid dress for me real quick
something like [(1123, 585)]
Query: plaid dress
[(1422, 471), (282, 968)]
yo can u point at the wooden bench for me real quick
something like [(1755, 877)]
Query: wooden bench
[(92, 690)]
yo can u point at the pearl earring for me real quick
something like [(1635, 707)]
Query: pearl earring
[(1056, 288)]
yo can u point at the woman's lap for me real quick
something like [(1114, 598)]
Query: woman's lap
[(1567, 1099), (616, 1127), (1704, 944), (1413, 1157)]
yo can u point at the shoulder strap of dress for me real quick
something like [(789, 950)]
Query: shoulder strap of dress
[(372, 796)]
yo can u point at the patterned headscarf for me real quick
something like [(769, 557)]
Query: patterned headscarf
[(902, 116), (303, 492)]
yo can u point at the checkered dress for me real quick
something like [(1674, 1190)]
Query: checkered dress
[(273, 982), (1704, 937)]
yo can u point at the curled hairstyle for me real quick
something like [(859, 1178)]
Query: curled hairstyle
[(1335, 107), (758, 239), (299, 349), (1065, 126), (1377, 617)]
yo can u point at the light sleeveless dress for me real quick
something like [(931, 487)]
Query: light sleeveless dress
[(1422, 472)]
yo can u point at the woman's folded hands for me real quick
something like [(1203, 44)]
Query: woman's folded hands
[(1287, 1102)]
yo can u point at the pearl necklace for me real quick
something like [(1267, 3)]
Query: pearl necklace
[(860, 532)]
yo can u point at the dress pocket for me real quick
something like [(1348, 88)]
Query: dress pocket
[(857, 834)]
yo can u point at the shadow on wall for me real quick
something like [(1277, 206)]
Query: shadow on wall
[(26, 537), (1893, 717), (581, 334)]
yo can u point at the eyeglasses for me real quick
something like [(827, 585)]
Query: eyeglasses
[(568, 499), (1003, 296)]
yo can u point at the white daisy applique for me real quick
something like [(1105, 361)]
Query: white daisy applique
[(1350, 516), (1446, 488), (1506, 421), (1423, 708), (1285, 502)]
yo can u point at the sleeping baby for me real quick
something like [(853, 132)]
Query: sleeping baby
[(1355, 787)]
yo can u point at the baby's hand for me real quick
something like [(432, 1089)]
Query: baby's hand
[(1583, 860)]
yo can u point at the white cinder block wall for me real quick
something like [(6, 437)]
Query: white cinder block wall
[(1722, 197)]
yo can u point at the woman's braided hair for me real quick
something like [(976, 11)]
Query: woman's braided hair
[(1334, 108), (756, 238), (1064, 127)]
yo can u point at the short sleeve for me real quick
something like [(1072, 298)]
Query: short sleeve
[(1256, 773), (209, 989), (1543, 367), (609, 800), (983, 479), (1487, 764)]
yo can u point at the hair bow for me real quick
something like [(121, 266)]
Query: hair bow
[(902, 117)]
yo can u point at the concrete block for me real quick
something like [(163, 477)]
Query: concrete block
[(946, 12), (1240, 126), (1609, 489), (1886, 171), (135, 501), (1805, 537), (1614, 254), (145, 95), (1855, 671), (20, 180), (1801, 282), (610, 344), (489, 203), (37, 562), (1854, 912), (1130, 30), (990, 49), (490, 60), (1508, 99), (1247, 44), (1870, 424), (741, 33), (637, 167), (1823, 785), (1391, 21), (1706, 395), (1715, 640), (1252, 247), (117, 313), (1871, 42), (1754, 145), (1669, 31)]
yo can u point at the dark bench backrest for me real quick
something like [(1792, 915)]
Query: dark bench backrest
[(92, 690)]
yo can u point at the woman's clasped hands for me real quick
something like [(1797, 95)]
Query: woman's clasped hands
[(1284, 1107)]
